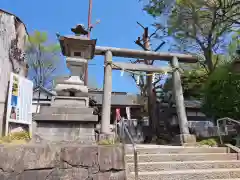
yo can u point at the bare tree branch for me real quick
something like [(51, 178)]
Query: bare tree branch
[(159, 46), (138, 42), (140, 25)]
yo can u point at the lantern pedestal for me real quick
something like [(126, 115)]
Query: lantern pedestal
[(69, 118)]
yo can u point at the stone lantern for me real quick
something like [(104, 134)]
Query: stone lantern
[(69, 118), (78, 50)]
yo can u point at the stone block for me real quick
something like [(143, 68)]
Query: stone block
[(85, 156), (73, 174), (4, 176), (110, 157), (65, 110), (66, 117), (120, 175), (60, 162), (37, 175), (19, 158), (82, 133), (65, 101), (71, 87), (54, 174), (81, 94), (63, 93)]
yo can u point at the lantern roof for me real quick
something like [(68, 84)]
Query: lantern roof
[(74, 41)]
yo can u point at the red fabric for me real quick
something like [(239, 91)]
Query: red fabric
[(118, 115)]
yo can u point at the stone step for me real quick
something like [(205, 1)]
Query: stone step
[(227, 179), (182, 157), (193, 174), (161, 166), (66, 117), (178, 150), (65, 110)]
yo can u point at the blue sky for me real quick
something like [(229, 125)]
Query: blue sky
[(118, 27)]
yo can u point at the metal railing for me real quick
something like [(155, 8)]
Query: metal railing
[(124, 131), (218, 127)]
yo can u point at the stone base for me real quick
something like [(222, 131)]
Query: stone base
[(64, 88), (185, 140), (77, 118), (64, 132), (46, 110), (65, 101)]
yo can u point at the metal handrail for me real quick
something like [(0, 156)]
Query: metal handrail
[(124, 130), (218, 127)]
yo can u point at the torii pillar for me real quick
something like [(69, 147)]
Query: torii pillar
[(184, 138)]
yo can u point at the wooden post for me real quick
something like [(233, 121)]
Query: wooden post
[(107, 92), (178, 94)]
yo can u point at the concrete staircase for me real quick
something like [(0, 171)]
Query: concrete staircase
[(183, 163)]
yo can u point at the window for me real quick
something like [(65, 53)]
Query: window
[(78, 54), (72, 94)]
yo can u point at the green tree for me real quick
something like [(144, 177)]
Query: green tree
[(193, 79), (222, 93), (200, 26), (221, 90), (42, 58)]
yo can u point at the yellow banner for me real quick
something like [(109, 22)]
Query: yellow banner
[(15, 86)]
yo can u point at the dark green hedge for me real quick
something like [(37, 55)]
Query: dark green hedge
[(222, 93)]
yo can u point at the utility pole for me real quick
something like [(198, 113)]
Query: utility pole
[(89, 18), (144, 43), (89, 31)]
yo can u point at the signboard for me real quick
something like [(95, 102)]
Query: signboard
[(19, 109)]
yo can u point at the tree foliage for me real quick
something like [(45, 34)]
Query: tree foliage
[(42, 58), (195, 76), (200, 26), (222, 93), (193, 79), (192, 83)]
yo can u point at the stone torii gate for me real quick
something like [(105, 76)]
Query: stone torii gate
[(173, 58), (76, 48)]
